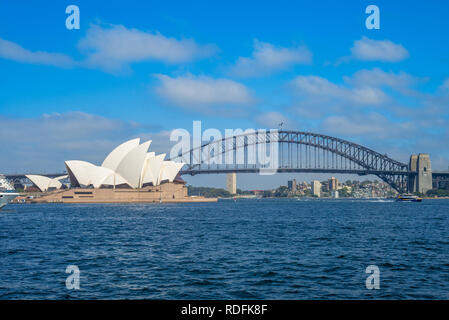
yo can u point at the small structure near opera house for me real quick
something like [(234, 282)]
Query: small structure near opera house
[(128, 174)]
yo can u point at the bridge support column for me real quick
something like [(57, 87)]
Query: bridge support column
[(231, 183), (422, 181), (412, 179)]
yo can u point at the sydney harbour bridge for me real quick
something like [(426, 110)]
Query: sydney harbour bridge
[(301, 152)]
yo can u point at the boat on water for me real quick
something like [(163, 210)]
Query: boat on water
[(7, 192), (408, 197), (6, 197)]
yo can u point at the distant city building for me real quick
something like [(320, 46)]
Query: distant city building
[(316, 188), (231, 183), (257, 192), (354, 189), (292, 185), (333, 184)]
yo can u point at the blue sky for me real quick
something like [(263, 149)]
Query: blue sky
[(143, 68)]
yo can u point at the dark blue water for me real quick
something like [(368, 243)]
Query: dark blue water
[(248, 249)]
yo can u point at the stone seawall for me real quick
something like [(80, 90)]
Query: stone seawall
[(164, 193)]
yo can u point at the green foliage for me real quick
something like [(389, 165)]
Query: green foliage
[(208, 192), (344, 193), (244, 192), (267, 194), (365, 183), (307, 193), (281, 192), (438, 193)]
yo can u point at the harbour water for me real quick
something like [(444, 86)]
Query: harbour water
[(244, 249)]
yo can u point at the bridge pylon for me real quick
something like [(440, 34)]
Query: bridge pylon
[(421, 180), (231, 182)]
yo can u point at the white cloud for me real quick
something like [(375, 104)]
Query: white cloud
[(367, 96), (114, 48), (341, 125), (42, 144), (379, 78), (376, 131), (12, 51), (372, 124), (319, 88), (378, 50), (160, 141), (273, 119), (445, 85), (267, 59), (201, 92), (331, 108), (315, 85)]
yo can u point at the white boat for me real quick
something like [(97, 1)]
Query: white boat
[(6, 197), (6, 192)]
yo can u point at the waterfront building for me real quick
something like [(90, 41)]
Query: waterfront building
[(333, 184), (316, 188), (130, 165), (257, 193), (292, 185), (128, 174), (231, 183)]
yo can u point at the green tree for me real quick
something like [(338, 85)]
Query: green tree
[(438, 193), (281, 192), (208, 192), (344, 193)]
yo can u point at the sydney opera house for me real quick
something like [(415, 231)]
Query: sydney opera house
[(128, 174)]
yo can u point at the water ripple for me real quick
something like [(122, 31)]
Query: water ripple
[(248, 249)]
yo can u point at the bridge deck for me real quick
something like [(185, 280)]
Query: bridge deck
[(298, 170)]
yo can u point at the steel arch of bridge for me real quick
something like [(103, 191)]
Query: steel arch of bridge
[(298, 151)]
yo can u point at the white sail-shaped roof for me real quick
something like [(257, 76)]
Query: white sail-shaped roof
[(113, 159), (169, 170), (132, 164), (87, 174), (45, 183), (113, 179), (41, 182), (154, 164), (146, 175), (99, 176), (78, 169)]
